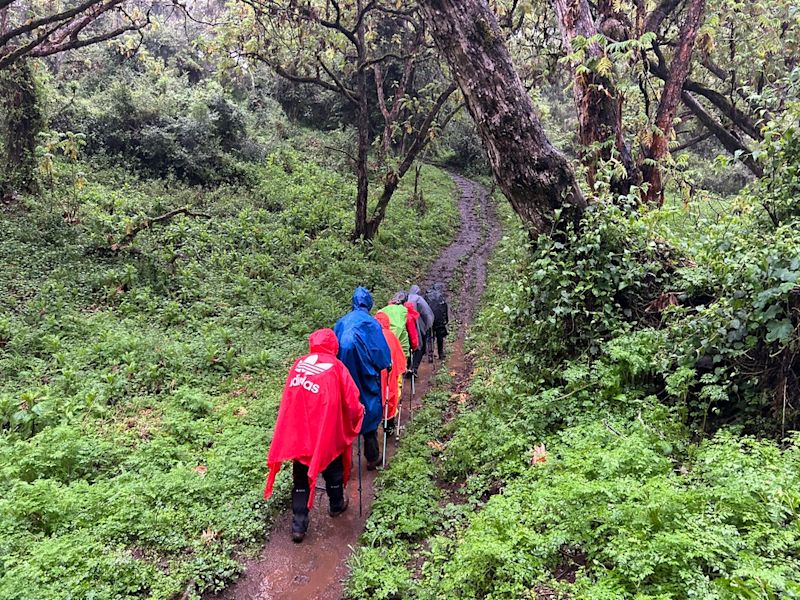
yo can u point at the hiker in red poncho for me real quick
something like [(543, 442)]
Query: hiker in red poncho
[(395, 376), (319, 418)]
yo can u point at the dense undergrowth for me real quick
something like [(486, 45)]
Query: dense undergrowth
[(629, 432), (138, 387)]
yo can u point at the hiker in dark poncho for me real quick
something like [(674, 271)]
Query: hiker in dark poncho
[(424, 324), (365, 353), (437, 300)]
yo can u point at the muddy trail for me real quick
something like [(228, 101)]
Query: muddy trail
[(317, 568)]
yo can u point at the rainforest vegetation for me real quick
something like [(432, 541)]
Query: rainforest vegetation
[(188, 189)]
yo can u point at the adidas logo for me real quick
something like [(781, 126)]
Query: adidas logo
[(309, 366)]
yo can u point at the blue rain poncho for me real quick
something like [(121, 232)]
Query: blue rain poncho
[(365, 353)]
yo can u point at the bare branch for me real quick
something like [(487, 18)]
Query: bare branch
[(148, 222), (691, 142)]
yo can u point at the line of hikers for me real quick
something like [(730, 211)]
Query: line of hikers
[(348, 383)]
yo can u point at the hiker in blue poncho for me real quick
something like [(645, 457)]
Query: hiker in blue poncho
[(365, 353)]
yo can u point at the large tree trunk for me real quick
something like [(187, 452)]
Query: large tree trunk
[(534, 176), (20, 121), (597, 101), (362, 128), (670, 99)]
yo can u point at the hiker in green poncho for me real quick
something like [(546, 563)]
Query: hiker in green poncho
[(402, 321)]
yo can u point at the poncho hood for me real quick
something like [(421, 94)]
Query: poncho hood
[(362, 299), (323, 340), (383, 319), (399, 298)]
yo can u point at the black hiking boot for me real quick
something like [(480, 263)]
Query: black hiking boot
[(373, 464), (336, 513), (299, 527)]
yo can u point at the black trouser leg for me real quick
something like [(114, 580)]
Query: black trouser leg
[(334, 483), (300, 493), (417, 359), (371, 451), (429, 345), (440, 344)]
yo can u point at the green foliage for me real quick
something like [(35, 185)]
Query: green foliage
[(407, 510), (613, 508), (780, 188), (138, 388), (163, 126), (587, 285), (460, 147)]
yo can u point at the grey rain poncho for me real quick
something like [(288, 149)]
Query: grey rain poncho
[(426, 314)]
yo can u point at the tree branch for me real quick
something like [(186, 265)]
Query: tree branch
[(148, 222), (691, 142), (731, 143), (737, 117), (30, 26), (664, 9), (75, 43)]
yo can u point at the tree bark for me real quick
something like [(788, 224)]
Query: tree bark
[(534, 176), (362, 128), (670, 100), (597, 101), (20, 121)]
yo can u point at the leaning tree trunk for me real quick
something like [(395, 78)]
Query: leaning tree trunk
[(534, 176), (597, 101), (670, 100), (727, 138)]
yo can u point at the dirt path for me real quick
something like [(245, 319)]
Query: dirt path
[(316, 568)]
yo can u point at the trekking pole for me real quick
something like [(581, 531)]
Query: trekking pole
[(399, 415), (360, 500)]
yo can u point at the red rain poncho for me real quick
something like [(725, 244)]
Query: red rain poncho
[(411, 325), (320, 414), (399, 365)]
